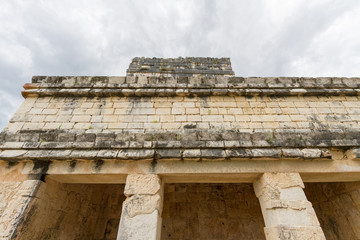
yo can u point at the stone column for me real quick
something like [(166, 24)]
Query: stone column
[(141, 211), (14, 200), (286, 211)]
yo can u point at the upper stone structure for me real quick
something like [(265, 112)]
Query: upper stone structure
[(254, 114), (180, 66)]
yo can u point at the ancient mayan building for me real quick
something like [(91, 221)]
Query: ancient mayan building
[(182, 149)]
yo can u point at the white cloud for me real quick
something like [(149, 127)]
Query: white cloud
[(9, 104)]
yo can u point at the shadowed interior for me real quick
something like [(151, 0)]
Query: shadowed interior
[(337, 206), (211, 211), (73, 211)]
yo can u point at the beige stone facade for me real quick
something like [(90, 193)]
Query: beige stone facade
[(182, 149)]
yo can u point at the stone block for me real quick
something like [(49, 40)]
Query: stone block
[(12, 153), (193, 144), (51, 145), (108, 154), (83, 154), (31, 145), (192, 154), (209, 154), (168, 154), (140, 154), (353, 154), (66, 137), (215, 144), (266, 153), (292, 153), (142, 184), (85, 137), (238, 154), (311, 153), (60, 154)]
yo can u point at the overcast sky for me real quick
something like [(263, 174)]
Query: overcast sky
[(90, 37)]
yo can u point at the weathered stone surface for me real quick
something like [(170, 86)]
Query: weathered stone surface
[(354, 154), (141, 204), (285, 232), (142, 184), (200, 138), (212, 154), (266, 153), (72, 211), (177, 81), (168, 154), (12, 153), (136, 154), (211, 211), (14, 200), (179, 66), (311, 153), (275, 180), (292, 153), (287, 213), (141, 215), (337, 207), (192, 154), (139, 227)]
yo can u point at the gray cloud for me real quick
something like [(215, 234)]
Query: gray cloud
[(93, 37)]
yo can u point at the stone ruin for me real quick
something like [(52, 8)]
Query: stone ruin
[(182, 149)]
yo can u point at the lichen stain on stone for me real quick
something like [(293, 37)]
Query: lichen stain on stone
[(189, 126), (11, 164), (98, 165), (153, 166), (24, 221), (41, 167), (72, 165)]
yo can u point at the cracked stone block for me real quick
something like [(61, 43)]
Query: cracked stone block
[(311, 153)]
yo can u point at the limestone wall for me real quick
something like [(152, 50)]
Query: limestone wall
[(211, 211), (337, 206), (73, 211), (251, 113), (217, 127)]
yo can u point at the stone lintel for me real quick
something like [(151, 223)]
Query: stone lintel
[(100, 171)]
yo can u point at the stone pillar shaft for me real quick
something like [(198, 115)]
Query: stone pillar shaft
[(286, 211), (141, 211), (14, 200)]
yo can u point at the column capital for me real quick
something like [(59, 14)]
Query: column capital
[(142, 184), (273, 182)]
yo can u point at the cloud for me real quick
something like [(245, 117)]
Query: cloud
[(93, 37)]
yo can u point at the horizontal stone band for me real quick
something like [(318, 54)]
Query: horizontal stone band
[(188, 138), (145, 86), (175, 154)]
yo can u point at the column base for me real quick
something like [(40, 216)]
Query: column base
[(292, 233), (140, 227)]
